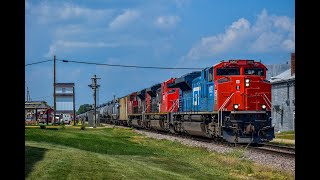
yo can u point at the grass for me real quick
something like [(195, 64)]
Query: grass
[(116, 153), (286, 135)]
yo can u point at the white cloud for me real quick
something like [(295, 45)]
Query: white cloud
[(75, 44), (27, 5), (61, 45), (67, 46), (127, 17), (48, 12), (182, 3), (267, 34), (167, 21), (78, 31)]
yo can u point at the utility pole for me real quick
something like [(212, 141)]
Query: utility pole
[(94, 86), (28, 94), (74, 109), (54, 89), (114, 106)]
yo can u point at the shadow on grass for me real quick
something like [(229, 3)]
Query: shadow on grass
[(104, 143), (32, 156), (52, 129)]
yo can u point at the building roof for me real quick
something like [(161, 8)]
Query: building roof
[(283, 77), (36, 104), (64, 84)]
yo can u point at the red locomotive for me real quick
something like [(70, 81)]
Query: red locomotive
[(230, 101)]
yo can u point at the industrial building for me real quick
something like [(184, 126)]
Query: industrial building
[(65, 101), (37, 111), (283, 99)]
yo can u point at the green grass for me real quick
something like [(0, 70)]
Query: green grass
[(286, 135), (116, 153), (282, 143)]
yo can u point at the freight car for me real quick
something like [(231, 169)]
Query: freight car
[(229, 101)]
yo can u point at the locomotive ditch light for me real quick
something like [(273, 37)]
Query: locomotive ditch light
[(263, 106), (236, 106), (247, 82)]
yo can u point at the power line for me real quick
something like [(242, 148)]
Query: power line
[(120, 65), (38, 62), (114, 65)]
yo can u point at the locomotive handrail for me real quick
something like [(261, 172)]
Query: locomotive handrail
[(221, 108)]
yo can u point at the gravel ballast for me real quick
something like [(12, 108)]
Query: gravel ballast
[(275, 160)]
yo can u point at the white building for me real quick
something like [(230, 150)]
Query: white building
[(283, 99), (65, 99)]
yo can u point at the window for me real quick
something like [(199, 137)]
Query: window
[(228, 71), (63, 90), (210, 74), (254, 71), (172, 90)]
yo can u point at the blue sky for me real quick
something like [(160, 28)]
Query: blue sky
[(172, 33)]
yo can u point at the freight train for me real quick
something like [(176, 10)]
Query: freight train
[(230, 101)]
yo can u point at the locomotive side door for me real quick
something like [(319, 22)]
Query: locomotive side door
[(210, 90), (196, 100)]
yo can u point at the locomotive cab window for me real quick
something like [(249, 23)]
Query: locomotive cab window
[(172, 91), (210, 74), (205, 74), (254, 71), (228, 71)]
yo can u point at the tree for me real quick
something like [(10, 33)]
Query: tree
[(83, 108)]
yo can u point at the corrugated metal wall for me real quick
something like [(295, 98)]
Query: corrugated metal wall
[(64, 90), (64, 103), (283, 119)]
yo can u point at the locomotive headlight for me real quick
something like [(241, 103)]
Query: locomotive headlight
[(236, 106), (247, 81), (263, 106)]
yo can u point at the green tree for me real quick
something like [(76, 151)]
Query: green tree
[(83, 108)]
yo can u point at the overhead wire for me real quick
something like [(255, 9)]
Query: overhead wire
[(38, 62), (114, 65), (128, 66)]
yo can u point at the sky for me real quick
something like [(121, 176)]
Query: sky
[(168, 33)]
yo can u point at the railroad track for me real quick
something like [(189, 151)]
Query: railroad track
[(277, 149), (265, 147)]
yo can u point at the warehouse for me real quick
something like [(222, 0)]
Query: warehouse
[(283, 99)]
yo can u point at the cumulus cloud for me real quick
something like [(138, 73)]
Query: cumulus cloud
[(127, 17), (269, 33), (61, 45), (182, 3), (46, 12), (27, 5), (167, 21), (66, 46)]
